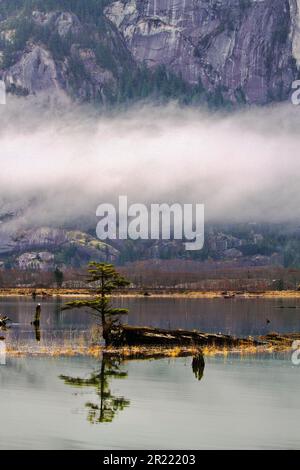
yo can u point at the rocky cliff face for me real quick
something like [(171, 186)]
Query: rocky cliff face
[(226, 50), (45, 247), (243, 49)]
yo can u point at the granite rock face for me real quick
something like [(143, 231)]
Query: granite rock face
[(243, 50), (43, 248), (64, 22), (35, 72)]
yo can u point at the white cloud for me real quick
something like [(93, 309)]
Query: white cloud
[(244, 166)]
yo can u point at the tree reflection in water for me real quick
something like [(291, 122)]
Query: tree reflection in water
[(109, 405), (198, 365)]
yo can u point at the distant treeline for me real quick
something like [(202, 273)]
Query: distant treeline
[(143, 278)]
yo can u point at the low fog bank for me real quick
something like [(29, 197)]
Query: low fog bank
[(57, 165)]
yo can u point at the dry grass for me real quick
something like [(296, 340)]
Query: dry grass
[(86, 343), (146, 352), (71, 348), (53, 292)]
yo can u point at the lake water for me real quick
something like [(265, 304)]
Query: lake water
[(241, 317), (251, 402), (88, 403)]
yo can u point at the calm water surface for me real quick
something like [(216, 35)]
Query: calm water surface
[(240, 401), (241, 317)]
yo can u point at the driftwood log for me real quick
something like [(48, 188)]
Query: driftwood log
[(284, 340), (124, 335), (4, 321)]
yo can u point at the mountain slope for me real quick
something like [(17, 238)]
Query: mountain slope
[(112, 51)]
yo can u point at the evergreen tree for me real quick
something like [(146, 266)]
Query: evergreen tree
[(105, 280)]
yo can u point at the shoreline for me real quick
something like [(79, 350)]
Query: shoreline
[(146, 352), (70, 293), (170, 343)]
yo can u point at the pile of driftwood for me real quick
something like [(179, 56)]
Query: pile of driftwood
[(280, 340), (124, 335)]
